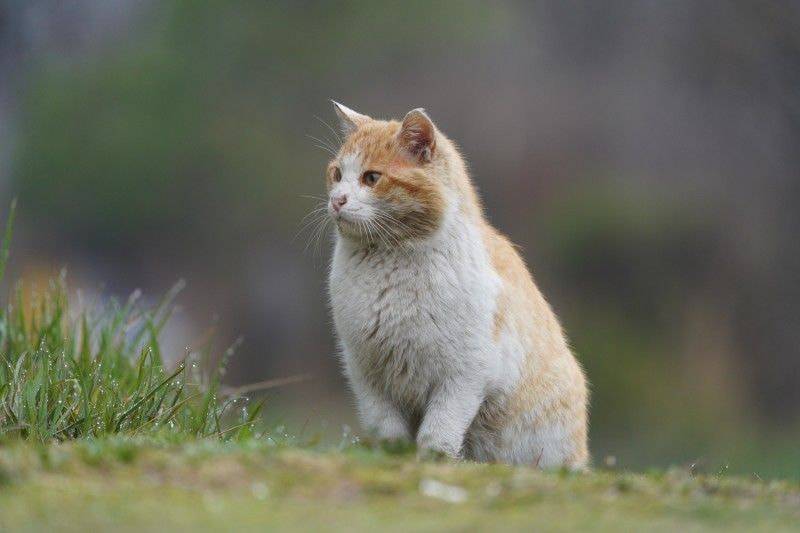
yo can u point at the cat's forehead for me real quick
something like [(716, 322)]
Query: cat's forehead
[(350, 163), (372, 143)]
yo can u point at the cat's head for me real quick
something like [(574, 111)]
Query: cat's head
[(386, 184)]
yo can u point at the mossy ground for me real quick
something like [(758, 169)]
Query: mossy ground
[(122, 484)]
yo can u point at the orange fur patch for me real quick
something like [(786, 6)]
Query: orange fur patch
[(521, 306)]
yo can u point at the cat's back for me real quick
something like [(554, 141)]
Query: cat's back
[(520, 304)]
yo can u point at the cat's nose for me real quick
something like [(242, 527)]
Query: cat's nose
[(338, 201)]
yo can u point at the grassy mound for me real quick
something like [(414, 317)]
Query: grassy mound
[(125, 484)]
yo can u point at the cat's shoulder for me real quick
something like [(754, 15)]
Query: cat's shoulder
[(504, 254)]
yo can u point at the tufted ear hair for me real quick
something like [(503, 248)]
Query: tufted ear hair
[(349, 120), (418, 135)]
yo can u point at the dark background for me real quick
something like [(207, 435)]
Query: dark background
[(644, 155)]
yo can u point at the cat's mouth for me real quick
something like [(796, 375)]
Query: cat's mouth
[(347, 217)]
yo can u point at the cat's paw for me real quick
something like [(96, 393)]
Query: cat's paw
[(396, 445), (430, 450), (430, 455)]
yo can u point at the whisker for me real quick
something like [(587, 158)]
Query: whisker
[(395, 223), (370, 228), (382, 232), (312, 197), (311, 226), (323, 144), (316, 211), (335, 133), (379, 229), (320, 207), (395, 220), (391, 224), (319, 228), (321, 141), (312, 217), (360, 225), (323, 231), (326, 149)]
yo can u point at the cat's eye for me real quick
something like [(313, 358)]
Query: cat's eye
[(370, 178), (337, 174)]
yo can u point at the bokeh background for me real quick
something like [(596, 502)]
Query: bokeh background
[(644, 155)]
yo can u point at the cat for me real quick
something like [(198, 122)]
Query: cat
[(444, 337)]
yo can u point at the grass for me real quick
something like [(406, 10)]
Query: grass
[(99, 432), (138, 484), (96, 369), (99, 371)]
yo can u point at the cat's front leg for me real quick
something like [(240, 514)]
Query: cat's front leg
[(449, 413), (381, 418)]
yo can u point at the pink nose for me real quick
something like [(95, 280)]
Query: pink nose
[(338, 201)]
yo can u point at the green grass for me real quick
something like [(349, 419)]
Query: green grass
[(96, 369), (137, 484), (98, 432)]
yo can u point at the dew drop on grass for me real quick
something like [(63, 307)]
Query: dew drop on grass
[(346, 436)]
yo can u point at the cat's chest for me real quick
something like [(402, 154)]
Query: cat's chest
[(408, 317), (379, 297)]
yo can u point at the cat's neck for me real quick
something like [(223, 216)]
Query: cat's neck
[(459, 228)]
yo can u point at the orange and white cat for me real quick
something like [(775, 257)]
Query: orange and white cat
[(444, 336)]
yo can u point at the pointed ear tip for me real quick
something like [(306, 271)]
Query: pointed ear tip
[(418, 112)]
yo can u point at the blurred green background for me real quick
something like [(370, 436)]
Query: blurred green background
[(645, 155)]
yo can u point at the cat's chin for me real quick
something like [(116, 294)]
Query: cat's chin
[(349, 229), (354, 232)]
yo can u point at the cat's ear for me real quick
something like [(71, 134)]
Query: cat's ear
[(418, 135), (349, 120)]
